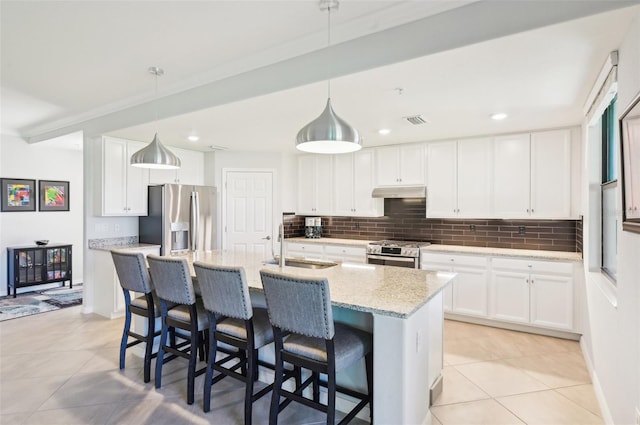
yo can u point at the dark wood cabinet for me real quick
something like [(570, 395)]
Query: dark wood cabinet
[(38, 264)]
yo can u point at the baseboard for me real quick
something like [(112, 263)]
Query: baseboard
[(514, 326), (597, 388)]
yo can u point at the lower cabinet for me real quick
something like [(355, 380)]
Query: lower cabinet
[(329, 252), (108, 297), (535, 293), (538, 293), (468, 292)]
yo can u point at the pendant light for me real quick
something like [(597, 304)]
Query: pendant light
[(155, 154), (328, 133)]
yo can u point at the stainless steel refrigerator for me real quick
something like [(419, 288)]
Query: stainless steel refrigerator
[(180, 218)]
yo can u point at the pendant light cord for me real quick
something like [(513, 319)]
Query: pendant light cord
[(156, 102), (328, 46)]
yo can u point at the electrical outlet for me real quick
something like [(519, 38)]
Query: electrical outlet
[(521, 230), (357, 225), (472, 227)]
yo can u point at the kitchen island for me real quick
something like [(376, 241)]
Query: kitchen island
[(402, 308)]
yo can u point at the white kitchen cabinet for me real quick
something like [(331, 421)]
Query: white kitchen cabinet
[(532, 292), (191, 170), (511, 176), (341, 253), (468, 293), (442, 180), (327, 252), (353, 183), (123, 189), (315, 184), (108, 297), (532, 175), (400, 165), (303, 250), (459, 178), (551, 174)]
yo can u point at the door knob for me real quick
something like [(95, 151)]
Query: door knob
[(268, 238)]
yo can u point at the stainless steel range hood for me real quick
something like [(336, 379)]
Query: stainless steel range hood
[(400, 192)]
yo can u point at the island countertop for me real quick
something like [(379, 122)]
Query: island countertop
[(385, 290)]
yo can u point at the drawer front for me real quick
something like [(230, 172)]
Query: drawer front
[(533, 266), (454, 260), (352, 251), (303, 247)]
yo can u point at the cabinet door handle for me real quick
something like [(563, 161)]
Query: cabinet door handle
[(532, 210)]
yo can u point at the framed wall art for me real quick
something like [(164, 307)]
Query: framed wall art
[(54, 195), (18, 195), (630, 154)]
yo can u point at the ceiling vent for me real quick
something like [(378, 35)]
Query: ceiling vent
[(416, 119)]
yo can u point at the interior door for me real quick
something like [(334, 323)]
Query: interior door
[(248, 204)]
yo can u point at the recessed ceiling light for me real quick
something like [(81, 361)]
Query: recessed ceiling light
[(193, 138), (498, 116), (384, 131)]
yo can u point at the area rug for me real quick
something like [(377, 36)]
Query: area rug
[(37, 302)]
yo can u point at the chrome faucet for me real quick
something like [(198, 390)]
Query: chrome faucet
[(281, 238)]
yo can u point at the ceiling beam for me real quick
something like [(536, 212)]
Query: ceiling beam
[(469, 24)]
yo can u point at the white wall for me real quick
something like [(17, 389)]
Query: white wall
[(612, 337), (18, 159)]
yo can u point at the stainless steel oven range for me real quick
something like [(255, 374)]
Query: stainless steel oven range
[(395, 253)]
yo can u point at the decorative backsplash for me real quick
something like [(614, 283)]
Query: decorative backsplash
[(112, 242), (405, 220)]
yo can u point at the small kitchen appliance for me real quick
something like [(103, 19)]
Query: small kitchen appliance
[(395, 253), (313, 227)]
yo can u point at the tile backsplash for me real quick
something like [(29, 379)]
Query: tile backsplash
[(405, 220)]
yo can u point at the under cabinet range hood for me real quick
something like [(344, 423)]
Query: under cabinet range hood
[(400, 192)]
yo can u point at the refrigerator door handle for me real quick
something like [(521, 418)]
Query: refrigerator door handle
[(195, 220)]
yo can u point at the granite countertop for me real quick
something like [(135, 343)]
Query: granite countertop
[(384, 290), (330, 241), (505, 252), (128, 242)]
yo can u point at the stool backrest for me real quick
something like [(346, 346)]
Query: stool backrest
[(172, 279), (298, 305), (224, 290), (132, 271)]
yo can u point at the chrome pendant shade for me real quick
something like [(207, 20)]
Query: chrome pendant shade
[(155, 155), (328, 134)]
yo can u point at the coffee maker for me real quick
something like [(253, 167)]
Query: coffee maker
[(313, 227)]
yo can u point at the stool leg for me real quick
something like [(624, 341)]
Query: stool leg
[(251, 374), (193, 357), (151, 330), (277, 383), (331, 398), (163, 342), (213, 348), (125, 332), (316, 386)]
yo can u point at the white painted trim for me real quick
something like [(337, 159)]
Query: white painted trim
[(608, 289), (275, 195), (598, 85), (597, 388)]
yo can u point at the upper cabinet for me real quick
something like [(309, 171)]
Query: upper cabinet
[(459, 178), (315, 184), (353, 183), (191, 170), (400, 165), (551, 174), (532, 175), (123, 188), (511, 176)]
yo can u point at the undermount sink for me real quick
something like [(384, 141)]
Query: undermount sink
[(304, 264)]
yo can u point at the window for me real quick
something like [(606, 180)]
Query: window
[(609, 186)]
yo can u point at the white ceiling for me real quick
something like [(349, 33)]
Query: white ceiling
[(247, 75)]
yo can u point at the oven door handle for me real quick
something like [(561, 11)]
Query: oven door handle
[(392, 258)]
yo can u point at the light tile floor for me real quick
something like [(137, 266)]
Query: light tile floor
[(497, 376), (61, 367)]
